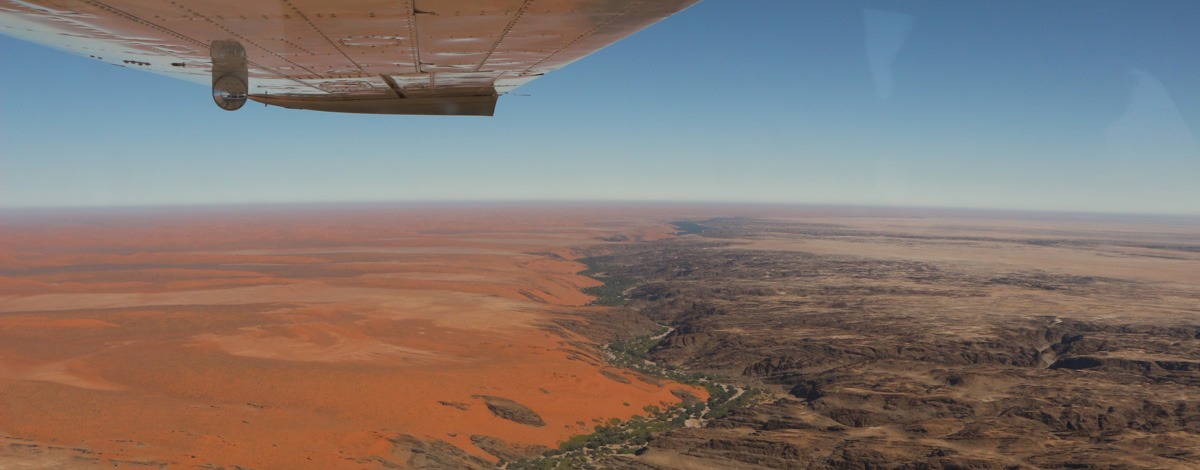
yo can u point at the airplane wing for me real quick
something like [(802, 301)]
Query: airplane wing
[(356, 56)]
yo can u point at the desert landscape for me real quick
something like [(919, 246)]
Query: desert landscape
[(930, 339), (323, 338), (551, 337)]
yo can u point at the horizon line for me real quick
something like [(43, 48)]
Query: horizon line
[(465, 203)]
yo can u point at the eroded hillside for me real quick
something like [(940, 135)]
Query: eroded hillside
[(976, 344)]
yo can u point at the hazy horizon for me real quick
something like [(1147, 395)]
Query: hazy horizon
[(1044, 106), (721, 208)]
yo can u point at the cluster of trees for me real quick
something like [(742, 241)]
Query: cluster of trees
[(616, 436), (612, 292)]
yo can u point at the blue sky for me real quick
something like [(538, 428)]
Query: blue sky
[(1052, 105)]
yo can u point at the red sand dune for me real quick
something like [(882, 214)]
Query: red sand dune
[(298, 339)]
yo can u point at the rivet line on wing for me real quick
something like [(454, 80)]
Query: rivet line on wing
[(240, 37), (204, 45), (503, 34), (598, 27), (323, 35), (412, 34)]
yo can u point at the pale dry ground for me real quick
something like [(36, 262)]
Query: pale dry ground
[(1151, 285), (1091, 247), (1136, 252), (286, 338), (937, 340)]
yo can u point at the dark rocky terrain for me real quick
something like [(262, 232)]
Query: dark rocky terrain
[(895, 348)]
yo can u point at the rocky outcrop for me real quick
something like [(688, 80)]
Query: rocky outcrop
[(900, 363), (511, 410), (504, 450), (410, 452), (731, 451)]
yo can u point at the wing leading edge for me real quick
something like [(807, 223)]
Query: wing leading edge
[(357, 56)]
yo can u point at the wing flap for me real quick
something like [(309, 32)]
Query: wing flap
[(482, 105)]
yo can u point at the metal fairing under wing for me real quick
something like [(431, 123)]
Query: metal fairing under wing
[(355, 56)]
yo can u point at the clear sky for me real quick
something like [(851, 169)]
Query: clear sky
[(1056, 105)]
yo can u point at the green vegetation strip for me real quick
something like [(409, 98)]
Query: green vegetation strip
[(615, 436), (612, 292), (687, 227)]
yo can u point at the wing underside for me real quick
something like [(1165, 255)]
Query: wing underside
[(360, 56)]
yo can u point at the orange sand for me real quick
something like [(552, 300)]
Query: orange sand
[(299, 339)]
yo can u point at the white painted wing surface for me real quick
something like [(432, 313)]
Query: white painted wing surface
[(361, 56)]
